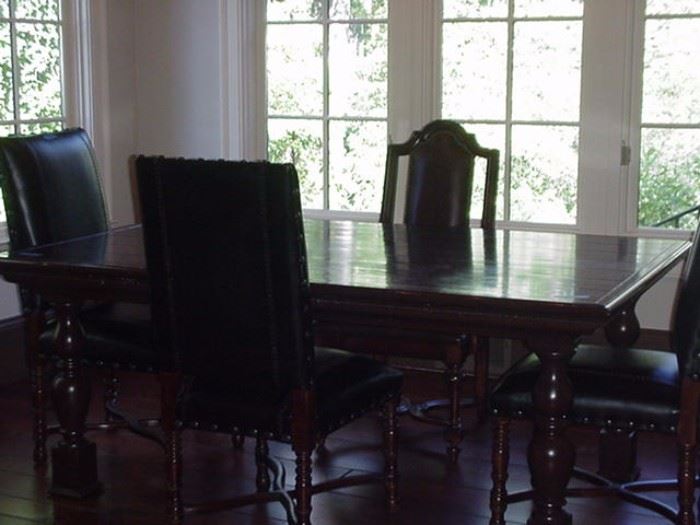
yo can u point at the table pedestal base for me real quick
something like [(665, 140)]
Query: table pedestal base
[(74, 471)]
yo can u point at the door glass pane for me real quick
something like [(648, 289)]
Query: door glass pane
[(530, 8), (4, 8), (35, 128), (301, 143), (295, 69), (672, 7), (6, 99), (293, 10), (475, 8), (669, 179), (671, 85), (357, 157), (38, 9), (39, 56), (362, 9), (474, 70), (357, 64), (492, 137), (547, 71), (544, 168)]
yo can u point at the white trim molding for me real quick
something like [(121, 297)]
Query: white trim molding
[(243, 76)]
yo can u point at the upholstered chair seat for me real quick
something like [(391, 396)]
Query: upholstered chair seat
[(347, 386), (632, 389)]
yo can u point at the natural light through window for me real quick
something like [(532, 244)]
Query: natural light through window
[(669, 167), (31, 94), (327, 98), (511, 73)]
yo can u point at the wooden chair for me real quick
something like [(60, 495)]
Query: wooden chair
[(52, 192), (233, 325), (621, 390), (440, 183)]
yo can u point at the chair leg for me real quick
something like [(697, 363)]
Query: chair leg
[(303, 486), (262, 478), (169, 388), (34, 322), (454, 433), (39, 408), (303, 440), (481, 376), (499, 472), (110, 382), (174, 443), (686, 484), (391, 475)]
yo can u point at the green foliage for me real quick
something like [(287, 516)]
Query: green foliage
[(304, 151), (667, 188)]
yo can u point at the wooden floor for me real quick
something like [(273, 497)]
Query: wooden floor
[(432, 492)]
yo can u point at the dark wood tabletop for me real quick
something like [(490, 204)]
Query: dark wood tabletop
[(546, 289)]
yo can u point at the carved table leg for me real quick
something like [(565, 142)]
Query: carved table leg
[(623, 329), (551, 454), (74, 459), (454, 433), (617, 451)]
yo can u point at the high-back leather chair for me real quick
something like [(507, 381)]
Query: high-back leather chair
[(440, 182), (233, 322), (621, 390), (52, 192)]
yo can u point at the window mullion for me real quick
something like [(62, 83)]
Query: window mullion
[(509, 112), (15, 68), (326, 109)]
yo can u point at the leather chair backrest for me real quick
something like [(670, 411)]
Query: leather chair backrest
[(685, 327), (440, 177), (51, 190), (227, 261)]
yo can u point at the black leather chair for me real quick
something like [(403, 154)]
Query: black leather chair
[(622, 390), (52, 192), (233, 323), (441, 174)]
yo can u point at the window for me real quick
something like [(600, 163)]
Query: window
[(669, 128), (31, 91), (327, 98), (594, 105), (511, 73)]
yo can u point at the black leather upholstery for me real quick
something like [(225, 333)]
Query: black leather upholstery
[(347, 386), (440, 177), (52, 192), (685, 328), (230, 297), (620, 388)]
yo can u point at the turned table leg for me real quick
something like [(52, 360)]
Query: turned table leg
[(550, 454), (617, 450), (74, 459)]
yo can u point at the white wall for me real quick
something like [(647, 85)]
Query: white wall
[(179, 100)]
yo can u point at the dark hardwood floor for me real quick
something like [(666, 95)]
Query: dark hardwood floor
[(432, 491)]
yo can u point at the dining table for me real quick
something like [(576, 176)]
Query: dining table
[(547, 290)]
